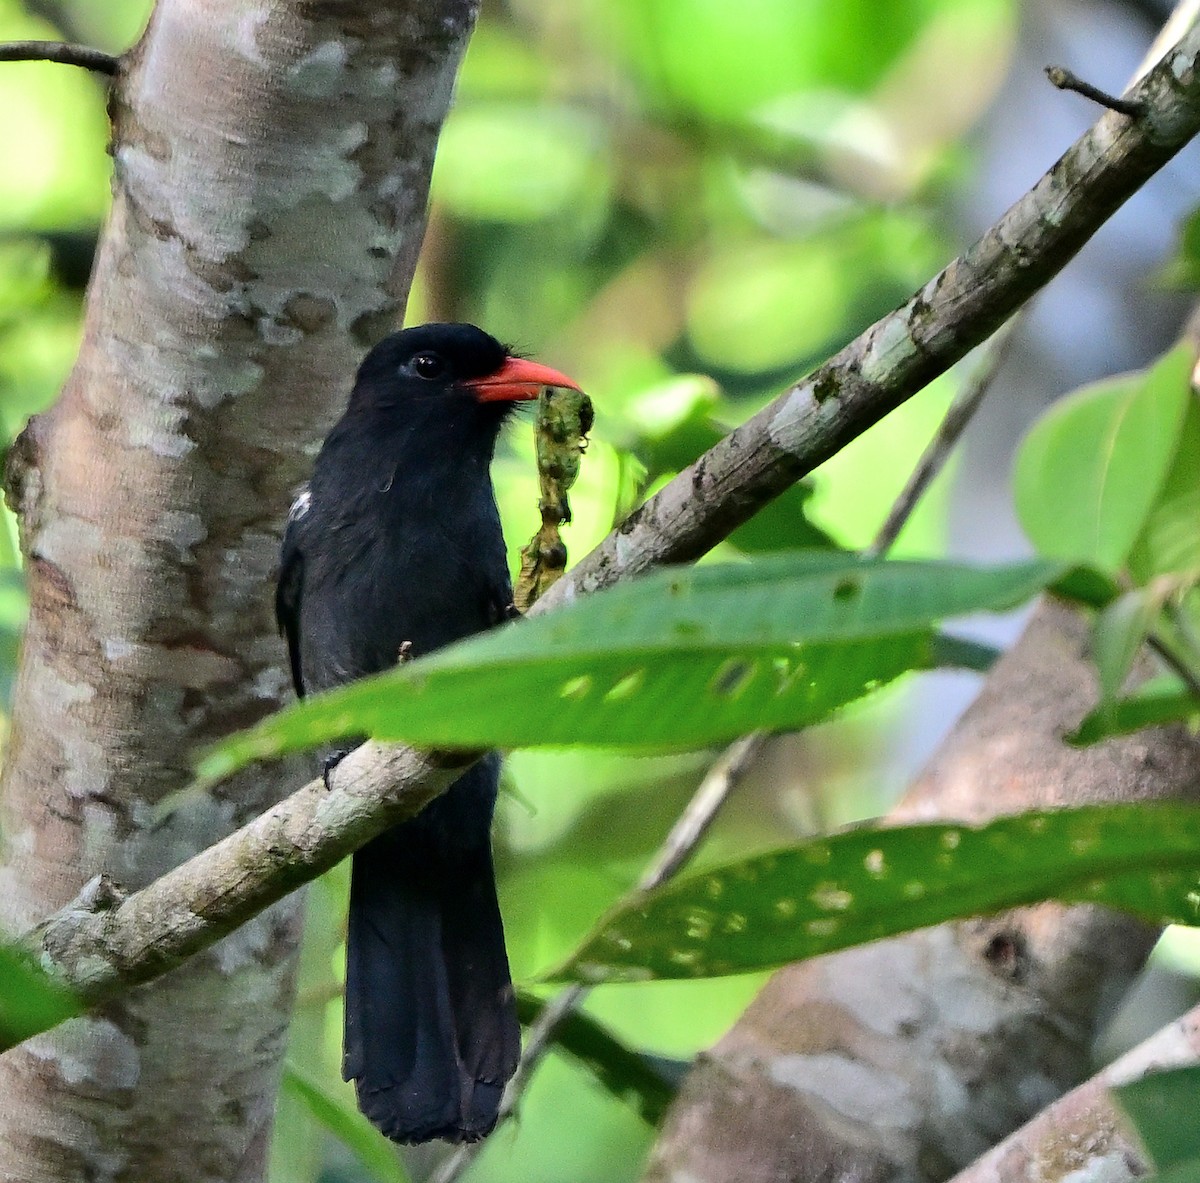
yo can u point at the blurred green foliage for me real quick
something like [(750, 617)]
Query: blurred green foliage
[(686, 204), (1162, 1107), (1124, 454)]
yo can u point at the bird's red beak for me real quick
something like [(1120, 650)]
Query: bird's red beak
[(518, 379)]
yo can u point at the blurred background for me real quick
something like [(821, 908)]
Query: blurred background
[(686, 204)]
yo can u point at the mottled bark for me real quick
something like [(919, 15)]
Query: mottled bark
[(905, 1059), (1084, 1137), (271, 163)]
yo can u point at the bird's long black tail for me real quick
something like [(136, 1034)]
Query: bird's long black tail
[(431, 1027)]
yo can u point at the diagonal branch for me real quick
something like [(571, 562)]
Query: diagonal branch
[(1088, 1120), (194, 905), (954, 312)]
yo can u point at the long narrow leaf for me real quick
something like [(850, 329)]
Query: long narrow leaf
[(629, 1075), (1164, 699), (682, 658), (377, 1156), (869, 883)]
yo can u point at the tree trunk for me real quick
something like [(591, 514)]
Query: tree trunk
[(903, 1060), (271, 166)]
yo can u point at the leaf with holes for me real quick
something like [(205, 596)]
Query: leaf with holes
[(681, 658), (869, 883)]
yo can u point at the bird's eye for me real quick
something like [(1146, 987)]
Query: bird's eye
[(428, 366)]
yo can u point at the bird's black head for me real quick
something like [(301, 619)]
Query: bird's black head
[(450, 365)]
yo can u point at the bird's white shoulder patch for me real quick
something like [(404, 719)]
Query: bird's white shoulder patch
[(301, 505)]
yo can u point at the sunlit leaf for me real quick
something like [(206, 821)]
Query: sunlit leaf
[(339, 1115), (1105, 452), (1170, 538), (519, 163), (55, 168), (680, 658), (870, 883)]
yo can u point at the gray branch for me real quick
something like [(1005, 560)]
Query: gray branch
[(62, 52), (190, 908)]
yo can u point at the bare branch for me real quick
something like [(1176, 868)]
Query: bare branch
[(949, 431), (101, 944), (954, 312), (898, 356), (1088, 1121), (1062, 78), (62, 52)]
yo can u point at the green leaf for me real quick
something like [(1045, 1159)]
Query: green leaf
[(682, 658), (1162, 700), (1163, 1107), (30, 1001), (631, 1077), (1087, 586), (514, 162), (869, 883), (1170, 539), (1183, 270), (376, 1154), (1090, 471), (1117, 636), (1187, 1170)]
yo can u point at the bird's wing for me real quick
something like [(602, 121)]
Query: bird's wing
[(289, 589)]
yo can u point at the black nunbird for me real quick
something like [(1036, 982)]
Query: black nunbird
[(395, 548)]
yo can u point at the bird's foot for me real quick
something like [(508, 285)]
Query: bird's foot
[(331, 761), (405, 653)]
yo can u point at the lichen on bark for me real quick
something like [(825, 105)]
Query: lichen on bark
[(271, 165)]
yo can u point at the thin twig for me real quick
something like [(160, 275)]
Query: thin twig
[(678, 846), (701, 811), (62, 52), (991, 357), (1061, 77)]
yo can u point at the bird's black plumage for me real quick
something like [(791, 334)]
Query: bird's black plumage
[(396, 544)]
